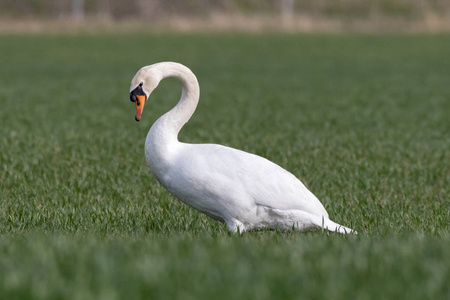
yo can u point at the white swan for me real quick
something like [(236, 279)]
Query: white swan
[(241, 189)]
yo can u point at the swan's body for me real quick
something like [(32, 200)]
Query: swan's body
[(241, 189)]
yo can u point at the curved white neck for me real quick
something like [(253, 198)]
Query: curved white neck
[(174, 120), (163, 135)]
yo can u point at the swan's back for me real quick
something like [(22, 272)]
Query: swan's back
[(219, 180)]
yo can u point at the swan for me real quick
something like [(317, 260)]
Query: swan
[(246, 191)]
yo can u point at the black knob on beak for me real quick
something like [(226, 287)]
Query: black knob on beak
[(132, 98)]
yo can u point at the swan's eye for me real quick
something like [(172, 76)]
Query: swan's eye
[(132, 98), (140, 84)]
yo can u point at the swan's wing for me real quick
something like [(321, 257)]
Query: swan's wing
[(221, 171)]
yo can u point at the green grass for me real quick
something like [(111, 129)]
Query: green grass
[(362, 120)]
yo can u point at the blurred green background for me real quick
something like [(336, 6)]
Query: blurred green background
[(357, 108)]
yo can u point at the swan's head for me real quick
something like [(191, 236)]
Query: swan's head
[(142, 85)]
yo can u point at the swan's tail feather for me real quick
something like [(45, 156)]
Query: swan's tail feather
[(335, 227)]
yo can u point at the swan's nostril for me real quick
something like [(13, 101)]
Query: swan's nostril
[(132, 98)]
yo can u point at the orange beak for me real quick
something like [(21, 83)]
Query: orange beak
[(140, 101)]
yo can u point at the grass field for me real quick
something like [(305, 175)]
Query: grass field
[(362, 120)]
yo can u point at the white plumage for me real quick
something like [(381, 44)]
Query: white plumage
[(241, 189)]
